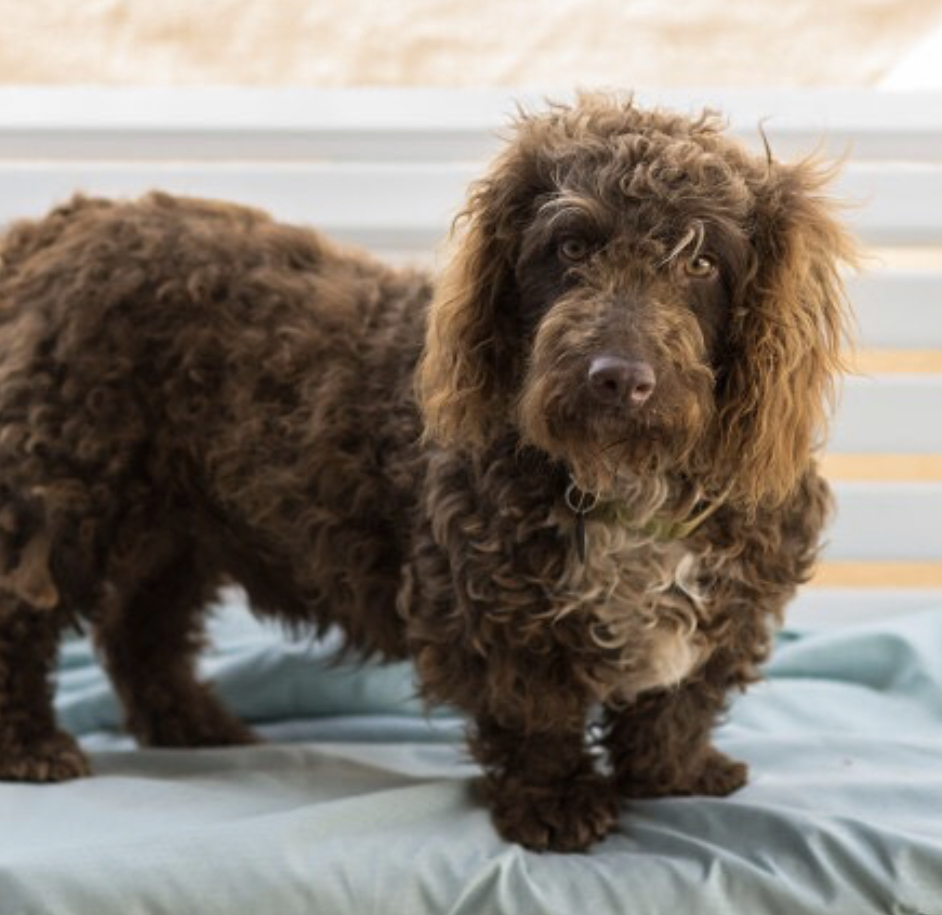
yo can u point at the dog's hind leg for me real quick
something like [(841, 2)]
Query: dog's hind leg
[(32, 748), (150, 632)]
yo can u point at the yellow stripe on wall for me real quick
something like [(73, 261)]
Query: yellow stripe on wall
[(878, 575), (879, 361), (898, 467)]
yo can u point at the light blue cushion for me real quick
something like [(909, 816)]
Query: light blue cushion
[(362, 804)]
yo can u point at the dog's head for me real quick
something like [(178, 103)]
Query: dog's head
[(631, 290)]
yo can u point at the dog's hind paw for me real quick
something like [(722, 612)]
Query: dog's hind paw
[(56, 758), (199, 724)]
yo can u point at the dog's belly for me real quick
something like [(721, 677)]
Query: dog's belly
[(348, 579), (330, 560)]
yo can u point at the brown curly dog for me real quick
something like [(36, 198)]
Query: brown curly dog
[(573, 476)]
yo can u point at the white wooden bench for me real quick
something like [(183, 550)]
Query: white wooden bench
[(388, 168)]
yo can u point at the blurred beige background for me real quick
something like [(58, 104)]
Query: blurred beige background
[(521, 43)]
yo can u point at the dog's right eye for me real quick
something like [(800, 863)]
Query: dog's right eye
[(701, 267), (573, 250)]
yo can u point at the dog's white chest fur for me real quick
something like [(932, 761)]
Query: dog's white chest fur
[(642, 601)]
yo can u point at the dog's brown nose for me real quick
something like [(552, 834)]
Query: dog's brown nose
[(613, 380)]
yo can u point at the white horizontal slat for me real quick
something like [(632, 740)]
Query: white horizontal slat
[(156, 123), (824, 608), (379, 199), (836, 122), (898, 309), (886, 521), (377, 205), (422, 124), (901, 414), (898, 204)]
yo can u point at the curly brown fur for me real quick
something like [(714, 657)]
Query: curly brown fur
[(191, 392)]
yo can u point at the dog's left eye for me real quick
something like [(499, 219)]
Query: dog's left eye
[(573, 250), (700, 267)]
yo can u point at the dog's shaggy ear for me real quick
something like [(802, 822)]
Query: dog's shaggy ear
[(465, 376), (789, 330)]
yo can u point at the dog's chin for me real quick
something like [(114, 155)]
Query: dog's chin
[(605, 464), (606, 451)]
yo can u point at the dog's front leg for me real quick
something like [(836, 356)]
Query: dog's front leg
[(542, 787), (527, 733), (527, 726), (476, 598), (660, 746)]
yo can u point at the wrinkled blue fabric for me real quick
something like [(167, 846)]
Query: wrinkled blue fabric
[(361, 803)]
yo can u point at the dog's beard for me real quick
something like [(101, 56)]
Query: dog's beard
[(608, 450)]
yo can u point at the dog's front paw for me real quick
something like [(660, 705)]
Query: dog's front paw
[(719, 775), (55, 758), (566, 817), (715, 774)]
